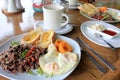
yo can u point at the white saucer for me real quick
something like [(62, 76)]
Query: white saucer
[(63, 30), (74, 6)]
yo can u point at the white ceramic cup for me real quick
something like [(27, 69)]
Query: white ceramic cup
[(53, 17), (73, 2)]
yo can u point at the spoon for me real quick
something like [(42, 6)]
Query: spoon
[(99, 36)]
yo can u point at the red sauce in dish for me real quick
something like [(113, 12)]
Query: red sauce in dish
[(110, 32)]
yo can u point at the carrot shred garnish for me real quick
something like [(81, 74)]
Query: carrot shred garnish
[(30, 51)]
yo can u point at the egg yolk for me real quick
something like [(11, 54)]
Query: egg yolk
[(51, 67)]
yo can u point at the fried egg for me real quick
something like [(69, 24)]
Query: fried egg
[(57, 63)]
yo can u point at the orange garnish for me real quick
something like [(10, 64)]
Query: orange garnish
[(103, 9), (63, 46)]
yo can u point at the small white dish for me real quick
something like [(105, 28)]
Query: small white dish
[(63, 30), (89, 34), (107, 32), (74, 6)]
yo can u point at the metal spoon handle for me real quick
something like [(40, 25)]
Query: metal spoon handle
[(111, 46), (99, 36)]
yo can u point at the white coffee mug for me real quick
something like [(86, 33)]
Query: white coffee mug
[(53, 17), (73, 2)]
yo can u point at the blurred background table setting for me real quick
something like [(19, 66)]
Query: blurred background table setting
[(81, 19)]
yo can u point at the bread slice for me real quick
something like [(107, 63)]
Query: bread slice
[(86, 11), (46, 38), (96, 9), (31, 37), (89, 9)]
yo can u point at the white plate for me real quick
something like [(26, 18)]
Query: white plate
[(118, 11), (63, 30), (74, 6), (26, 76), (89, 34)]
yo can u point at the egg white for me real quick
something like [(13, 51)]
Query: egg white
[(57, 63)]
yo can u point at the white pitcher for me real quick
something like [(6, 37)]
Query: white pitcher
[(5, 4), (12, 6), (18, 4)]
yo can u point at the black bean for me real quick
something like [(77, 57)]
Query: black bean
[(23, 69), (45, 50), (33, 64), (16, 62), (18, 46), (10, 47), (11, 63), (18, 57), (6, 56), (10, 69), (11, 50)]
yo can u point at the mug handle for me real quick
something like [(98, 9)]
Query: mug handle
[(67, 19)]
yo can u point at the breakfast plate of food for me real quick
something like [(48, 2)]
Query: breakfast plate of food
[(91, 12), (39, 55), (109, 32)]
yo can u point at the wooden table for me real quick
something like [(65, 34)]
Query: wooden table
[(20, 23)]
